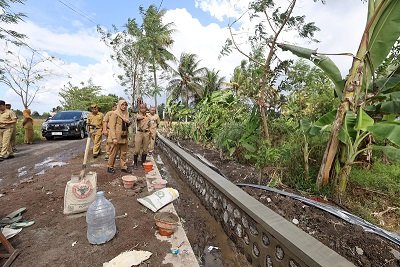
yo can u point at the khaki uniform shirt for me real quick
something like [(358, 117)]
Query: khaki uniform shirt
[(143, 122), (97, 120), (6, 116), (154, 122), (107, 116), (118, 129)]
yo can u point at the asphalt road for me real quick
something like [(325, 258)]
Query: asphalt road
[(33, 159)]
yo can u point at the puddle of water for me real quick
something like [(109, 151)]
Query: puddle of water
[(56, 164), (97, 165), (22, 173), (43, 163), (40, 173), (21, 169)]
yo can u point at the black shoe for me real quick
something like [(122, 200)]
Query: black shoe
[(126, 171), (110, 170), (1, 159), (144, 156), (11, 156)]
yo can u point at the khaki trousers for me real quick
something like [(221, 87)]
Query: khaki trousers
[(5, 140), (28, 137), (96, 143), (153, 136), (114, 149), (141, 142), (13, 136)]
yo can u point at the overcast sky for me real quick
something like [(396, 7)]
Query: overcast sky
[(66, 29)]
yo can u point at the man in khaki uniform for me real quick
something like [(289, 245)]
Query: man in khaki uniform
[(14, 133), (95, 121), (7, 121), (106, 128), (118, 136), (142, 135), (154, 122)]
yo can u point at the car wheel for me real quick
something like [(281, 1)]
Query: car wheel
[(82, 134), (49, 137)]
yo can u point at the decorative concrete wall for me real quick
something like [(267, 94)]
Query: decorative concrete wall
[(263, 236)]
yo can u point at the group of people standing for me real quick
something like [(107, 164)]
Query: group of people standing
[(8, 130), (114, 125)]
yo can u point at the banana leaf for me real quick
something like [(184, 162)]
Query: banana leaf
[(323, 123), (363, 121), (304, 125), (348, 133), (323, 62), (389, 117), (385, 32), (386, 130), (393, 153), (390, 107), (390, 84)]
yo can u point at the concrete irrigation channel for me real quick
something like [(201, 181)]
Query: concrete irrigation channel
[(263, 236)]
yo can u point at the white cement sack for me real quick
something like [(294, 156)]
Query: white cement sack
[(159, 199), (79, 194), (128, 259)]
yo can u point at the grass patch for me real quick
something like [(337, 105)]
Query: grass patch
[(381, 177), (373, 191)]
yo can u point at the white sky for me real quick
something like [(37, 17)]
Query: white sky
[(341, 23)]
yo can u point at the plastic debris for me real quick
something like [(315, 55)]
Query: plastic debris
[(128, 258), (210, 248), (359, 251), (295, 221), (8, 232), (74, 243)]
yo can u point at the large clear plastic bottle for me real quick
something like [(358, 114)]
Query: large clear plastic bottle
[(100, 218)]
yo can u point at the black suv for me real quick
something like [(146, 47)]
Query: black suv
[(65, 124)]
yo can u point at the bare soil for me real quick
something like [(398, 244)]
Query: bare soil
[(31, 180), (350, 241), (60, 240)]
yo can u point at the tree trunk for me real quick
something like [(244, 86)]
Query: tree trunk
[(343, 176), (305, 158), (332, 147), (155, 87), (263, 114)]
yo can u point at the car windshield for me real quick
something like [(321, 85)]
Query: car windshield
[(67, 116)]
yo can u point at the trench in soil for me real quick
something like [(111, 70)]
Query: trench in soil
[(210, 244)]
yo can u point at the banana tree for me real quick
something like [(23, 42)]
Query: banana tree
[(356, 128), (381, 32)]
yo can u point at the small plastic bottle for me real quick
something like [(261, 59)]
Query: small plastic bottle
[(100, 219)]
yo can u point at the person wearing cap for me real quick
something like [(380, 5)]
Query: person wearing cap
[(95, 122), (118, 125), (154, 122), (14, 133), (106, 119), (142, 135), (7, 121), (27, 123)]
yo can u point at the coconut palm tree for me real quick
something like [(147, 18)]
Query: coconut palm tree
[(239, 79), (212, 82), (187, 79), (158, 37)]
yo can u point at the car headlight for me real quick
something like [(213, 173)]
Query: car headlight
[(44, 126)]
